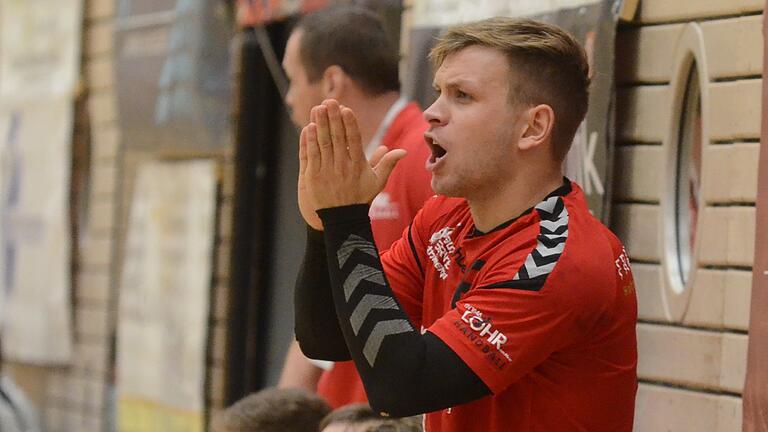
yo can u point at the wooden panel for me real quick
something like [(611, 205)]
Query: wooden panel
[(648, 282), (729, 414), (734, 47), (101, 218), (102, 106), (97, 252), (651, 11), (707, 301), (734, 110), (712, 240), (720, 299), (741, 236), (99, 73), (104, 141), (727, 236), (100, 9), (103, 179), (99, 39), (733, 362), (642, 114), (646, 54), (93, 286), (637, 225), (738, 287), (679, 356), (638, 178), (729, 173), (667, 409)]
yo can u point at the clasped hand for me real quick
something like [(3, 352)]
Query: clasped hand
[(333, 170)]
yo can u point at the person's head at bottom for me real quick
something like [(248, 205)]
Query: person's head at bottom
[(273, 410), (361, 418)]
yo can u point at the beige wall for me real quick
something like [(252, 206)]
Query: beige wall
[(692, 360), (691, 367), (76, 398)]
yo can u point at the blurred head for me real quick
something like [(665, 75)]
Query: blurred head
[(508, 89), (360, 418), (273, 410), (350, 418), (335, 48)]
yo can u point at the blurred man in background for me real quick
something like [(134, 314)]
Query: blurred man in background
[(273, 410), (344, 53)]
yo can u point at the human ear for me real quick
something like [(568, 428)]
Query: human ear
[(334, 82), (537, 130)]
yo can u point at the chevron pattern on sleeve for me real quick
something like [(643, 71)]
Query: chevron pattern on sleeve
[(550, 242), (369, 282)]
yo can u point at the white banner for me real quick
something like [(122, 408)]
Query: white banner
[(164, 298), (39, 49), (34, 231), (443, 13)]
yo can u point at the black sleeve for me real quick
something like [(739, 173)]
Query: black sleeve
[(316, 325), (404, 372)]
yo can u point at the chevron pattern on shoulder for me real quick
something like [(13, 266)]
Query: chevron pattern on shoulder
[(369, 301), (550, 242)]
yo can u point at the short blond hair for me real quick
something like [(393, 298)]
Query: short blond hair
[(549, 66)]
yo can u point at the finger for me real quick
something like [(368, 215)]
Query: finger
[(352, 132), (384, 168), (303, 151), (338, 136), (377, 155), (324, 136), (313, 149)]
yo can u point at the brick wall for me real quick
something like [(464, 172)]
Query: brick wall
[(692, 364), (76, 396)]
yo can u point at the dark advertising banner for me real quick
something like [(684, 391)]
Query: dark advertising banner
[(592, 22), (173, 74)]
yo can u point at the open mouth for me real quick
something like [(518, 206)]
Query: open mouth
[(437, 151)]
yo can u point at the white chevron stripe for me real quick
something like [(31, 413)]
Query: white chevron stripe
[(352, 243), (382, 330), (547, 251), (555, 224), (360, 273), (548, 205), (368, 303), (534, 270), (543, 250)]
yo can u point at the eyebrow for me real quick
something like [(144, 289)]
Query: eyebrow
[(455, 84)]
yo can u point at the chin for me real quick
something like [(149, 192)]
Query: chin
[(445, 188)]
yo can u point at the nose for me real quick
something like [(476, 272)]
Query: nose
[(434, 115)]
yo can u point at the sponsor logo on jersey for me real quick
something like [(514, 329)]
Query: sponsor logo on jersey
[(440, 249), (383, 207), (622, 264), (480, 331)]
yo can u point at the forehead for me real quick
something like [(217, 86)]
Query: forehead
[(293, 49), (474, 65)]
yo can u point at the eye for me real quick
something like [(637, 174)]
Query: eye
[(462, 95)]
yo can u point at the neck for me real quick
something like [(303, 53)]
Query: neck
[(370, 112), (523, 191)]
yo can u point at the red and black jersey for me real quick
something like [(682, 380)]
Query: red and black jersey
[(542, 309)]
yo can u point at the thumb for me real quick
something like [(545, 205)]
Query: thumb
[(387, 163), (377, 155)]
